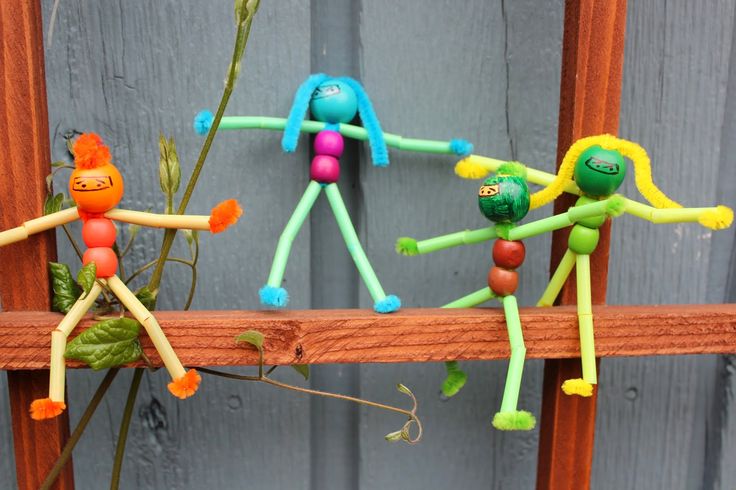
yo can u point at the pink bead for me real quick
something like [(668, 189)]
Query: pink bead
[(329, 142), (325, 169)]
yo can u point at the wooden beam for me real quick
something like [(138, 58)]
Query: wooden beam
[(24, 282), (207, 338), (590, 93)]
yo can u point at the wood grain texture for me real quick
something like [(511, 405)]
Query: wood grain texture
[(24, 139), (206, 338), (590, 91)]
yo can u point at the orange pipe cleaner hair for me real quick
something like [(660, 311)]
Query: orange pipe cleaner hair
[(90, 151)]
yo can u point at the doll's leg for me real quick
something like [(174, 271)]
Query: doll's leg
[(382, 303), (584, 386), (558, 279), (456, 377), (509, 418), (52, 406), (184, 383), (272, 294)]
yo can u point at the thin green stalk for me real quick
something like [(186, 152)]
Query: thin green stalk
[(152, 263), (117, 465), (79, 429), (247, 11)]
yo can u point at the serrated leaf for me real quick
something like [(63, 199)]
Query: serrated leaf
[(107, 344), (302, 369), (147, 297), (86, 277), (394, 436), (253, 337), (65, 289), (169, 168), (53, 204)]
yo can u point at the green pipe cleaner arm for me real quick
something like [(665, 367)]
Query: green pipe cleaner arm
[(348, 130), (409, 246), (613, 206)]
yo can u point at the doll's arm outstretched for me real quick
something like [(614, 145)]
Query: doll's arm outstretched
[(38, 225), (715, 218), (223, 215), (203, 122), (409, 246), (613, 206)]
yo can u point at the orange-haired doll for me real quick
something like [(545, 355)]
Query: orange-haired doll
[(96, 187)]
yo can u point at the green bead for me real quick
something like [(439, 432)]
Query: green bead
[(583, 240), (593, 221), (599, 172), (504, 198)]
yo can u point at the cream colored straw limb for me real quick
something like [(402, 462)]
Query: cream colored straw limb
[(160, 220), (159, 340), (58, 341), (532, 175), (13, 235), (38, 225)]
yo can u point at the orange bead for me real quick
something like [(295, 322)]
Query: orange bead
[(104, 258), (96, 190), (98, 232), (503, 282), (508, 254)]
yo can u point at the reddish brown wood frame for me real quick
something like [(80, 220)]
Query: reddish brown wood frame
[(589, 104)]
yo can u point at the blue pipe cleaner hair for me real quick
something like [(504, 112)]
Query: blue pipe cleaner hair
[(379, 152), (203, 122), (299, 111)]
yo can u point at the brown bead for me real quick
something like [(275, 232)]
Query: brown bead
[(508, 254), (503, 282)]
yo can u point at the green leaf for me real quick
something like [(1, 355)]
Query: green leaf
[(53, 203), (302, 369), (169, 168), (107, 344), (86, 277), (253, 337), (65, 289), (147, 297)]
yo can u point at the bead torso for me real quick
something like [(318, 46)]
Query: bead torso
[(584, 235), (328, 147), (508, 255), (99, 236)]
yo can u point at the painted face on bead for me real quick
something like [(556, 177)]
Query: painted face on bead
[(96, 190), (599, 172), (504, 198), (333, 101)]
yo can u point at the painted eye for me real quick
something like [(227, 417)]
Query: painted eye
[(488, 190)]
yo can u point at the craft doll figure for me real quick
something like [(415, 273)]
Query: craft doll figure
[(333, 103), (598, 167), (503, 199), (96, 186)]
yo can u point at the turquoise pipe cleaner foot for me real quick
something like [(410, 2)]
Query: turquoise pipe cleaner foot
[(389, 304), (271, 296)]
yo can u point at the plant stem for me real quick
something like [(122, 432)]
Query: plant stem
[(79, 429), (152, 263), (117, 465), (245, 19)]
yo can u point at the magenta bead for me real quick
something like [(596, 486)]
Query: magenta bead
[(329, 142), (325, 169)]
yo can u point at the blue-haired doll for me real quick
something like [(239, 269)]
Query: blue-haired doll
[(333, 102)]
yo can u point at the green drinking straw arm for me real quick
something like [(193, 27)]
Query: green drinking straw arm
[(465, 237), (573, 215), (347, 130), (668, 215)]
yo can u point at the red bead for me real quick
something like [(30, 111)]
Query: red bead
[(325, 169), (104, 258), (508, 254), (98, 232), (503, 282)]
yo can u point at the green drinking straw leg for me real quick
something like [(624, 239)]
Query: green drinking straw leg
[(290, 231), (353, 244), (518, 353), (473, 299), (558, 279), (585, 319)]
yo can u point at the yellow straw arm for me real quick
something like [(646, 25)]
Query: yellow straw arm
[(38, 225), (160, 220)]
